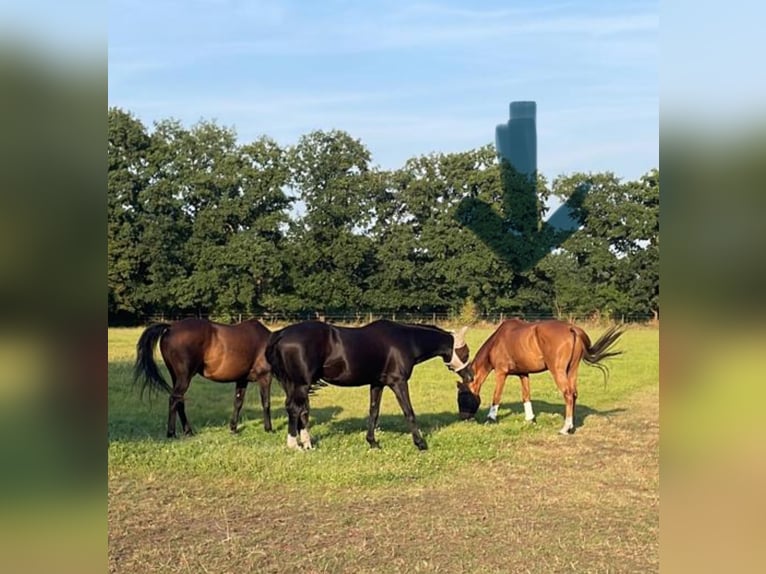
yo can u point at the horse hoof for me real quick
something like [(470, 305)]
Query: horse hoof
[(171, 435), (567, 431), (374, 444), (531, 421), (189, 432), (490, 421), (421, 445)]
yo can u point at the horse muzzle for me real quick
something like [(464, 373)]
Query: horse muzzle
[(468, 404)]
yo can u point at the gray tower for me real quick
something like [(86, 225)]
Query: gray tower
[(516, 140)]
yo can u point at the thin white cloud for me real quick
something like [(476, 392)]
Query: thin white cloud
[(406, 79)]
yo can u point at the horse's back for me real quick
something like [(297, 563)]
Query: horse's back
[(522, 347), (344, 356), (217, 351), (236, 351), (299, 351), (188, 336)]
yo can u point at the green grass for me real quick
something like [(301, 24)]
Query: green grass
[(189, 480)]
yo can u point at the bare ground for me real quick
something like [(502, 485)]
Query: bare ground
[(584, 503)]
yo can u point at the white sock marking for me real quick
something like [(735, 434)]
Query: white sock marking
[(292, 442), (493, 411), (306, 439), (529, 414)]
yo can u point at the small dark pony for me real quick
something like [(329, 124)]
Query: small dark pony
[(311, 354), (221, 353), (520, 348)]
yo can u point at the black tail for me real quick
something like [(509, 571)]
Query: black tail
[(599, 350), (274, 358), (145, 367), (278, 368)]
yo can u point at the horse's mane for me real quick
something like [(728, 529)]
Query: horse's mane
[(413, 325), (483, 352), (426, 326)]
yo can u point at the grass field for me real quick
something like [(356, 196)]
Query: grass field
[(513, 497)]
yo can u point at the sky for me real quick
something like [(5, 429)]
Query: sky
[(407, 78)]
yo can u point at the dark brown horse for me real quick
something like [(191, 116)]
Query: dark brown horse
[(221, 353), (520, 348), (382, 354)]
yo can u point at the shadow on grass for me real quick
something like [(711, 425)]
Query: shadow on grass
[(209, 406), (582, 411), (126, 427), (430, 422)]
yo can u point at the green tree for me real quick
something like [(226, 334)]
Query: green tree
[(228, 206), (427, 260), (331, 253), (610, 264), (127, 177)]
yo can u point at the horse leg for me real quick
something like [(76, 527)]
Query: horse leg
[(573, 389), (496, 396), (176, 404), (375, 394), (292, 419), (303, 426), (402, 392), (171, 432), (181, 408), (526, 397), (562, 382), (298, 418), (172, 417), (239, 398), (264, 383)]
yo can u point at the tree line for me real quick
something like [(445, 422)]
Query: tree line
[(199, 224)]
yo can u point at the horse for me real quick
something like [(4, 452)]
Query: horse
[(312, 354), (520, 348), (221, 353)]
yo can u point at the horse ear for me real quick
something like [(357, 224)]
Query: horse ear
[(460, 337)]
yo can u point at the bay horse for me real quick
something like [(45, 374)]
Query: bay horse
[(221, 353), (312, 354), (520, 348)]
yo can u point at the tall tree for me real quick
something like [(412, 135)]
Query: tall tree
[(331, 253), (609, 265), (127, 177), (428, 260)]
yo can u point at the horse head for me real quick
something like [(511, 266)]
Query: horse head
[(460, 352), (467, 403)]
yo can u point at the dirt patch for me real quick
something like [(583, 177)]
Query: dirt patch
[(583, 503)]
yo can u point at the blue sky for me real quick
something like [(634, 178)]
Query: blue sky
[(407, 78)]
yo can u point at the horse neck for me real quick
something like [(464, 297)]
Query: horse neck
[(481, 358), (429, 342)]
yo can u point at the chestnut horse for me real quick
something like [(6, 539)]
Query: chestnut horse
[(311, 354), (520, 348), (221, 353)]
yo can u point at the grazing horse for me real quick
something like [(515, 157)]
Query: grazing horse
[(311, 354), (520, 348), (221, 353)]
